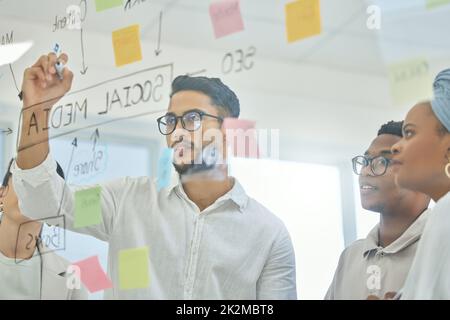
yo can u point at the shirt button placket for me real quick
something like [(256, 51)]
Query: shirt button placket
[(193, 257)]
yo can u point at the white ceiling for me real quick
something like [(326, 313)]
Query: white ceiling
[(345, 44)]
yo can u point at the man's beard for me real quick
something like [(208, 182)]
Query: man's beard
[(208, 162), (191, 168)]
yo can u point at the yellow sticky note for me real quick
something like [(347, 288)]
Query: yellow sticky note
[(134, 268), (410, 81), (303, 19), (127, 45)]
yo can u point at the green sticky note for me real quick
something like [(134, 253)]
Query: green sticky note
[(133, 268), (436, 3), (410, 81), (88, 210), (101, 5)]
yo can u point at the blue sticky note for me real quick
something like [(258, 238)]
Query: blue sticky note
[(165, 168)]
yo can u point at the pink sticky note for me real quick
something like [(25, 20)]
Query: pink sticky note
[(226, 17), (92, 275), (241, 137)]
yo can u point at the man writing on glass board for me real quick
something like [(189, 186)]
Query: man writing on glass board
[(201, 238)]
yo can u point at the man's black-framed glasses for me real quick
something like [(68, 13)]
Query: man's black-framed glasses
[(190, 120), (378, 165)]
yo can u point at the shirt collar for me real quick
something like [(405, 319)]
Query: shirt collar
[(410, 236), (174, 183), (237, 193)]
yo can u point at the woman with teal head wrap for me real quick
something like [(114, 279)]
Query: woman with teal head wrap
[(441, 101), (422, 157), (421, 162)]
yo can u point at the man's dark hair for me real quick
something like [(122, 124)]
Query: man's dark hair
[(220, 94), (392, 127), (8, 174)]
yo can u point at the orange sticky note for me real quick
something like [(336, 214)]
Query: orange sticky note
[(127, 45), (303, 19)]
